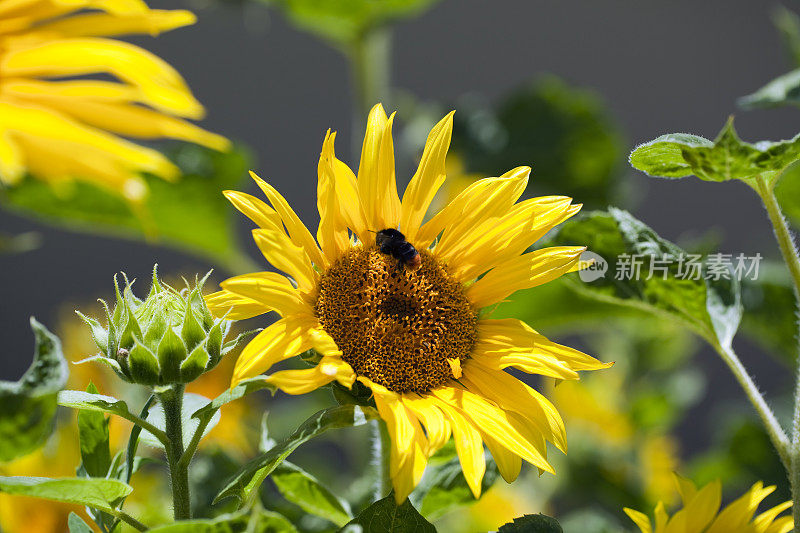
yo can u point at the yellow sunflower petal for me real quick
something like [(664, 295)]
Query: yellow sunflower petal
[(640, 519), (93, 90), (387, 202), (284, 255), (699, 511), (437, 426), (162, 85), (508, 463), (119, 7), (154, 21), (234, 306), (526, 271), (764, 521), (272, 290), (740, 512), (12, 164), (297, 231), (661, 516), (784, 524), (350, 202), (332, 232), (469, 446), (254, 209), (428, 179), (310, 379), (368, 167), (284, 339)]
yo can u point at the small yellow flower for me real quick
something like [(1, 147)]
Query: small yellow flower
[(701, 513), (413, 336), (62, 129)]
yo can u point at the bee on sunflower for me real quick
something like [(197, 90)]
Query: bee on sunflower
[(59, 125), (414, 336)]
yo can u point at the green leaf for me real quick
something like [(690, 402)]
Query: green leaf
[(344, 21), (93, 402), (77, 525), (385, 516), (243, 388), (262, 522), (532, 523), (28, 406), (94, 440), (788, 193), (788, 25), (20, 243), (101, 494), (711, 307), (678, 155), (783, 90), (568, 133), (243, 484), (443, 487), (190, 214), (303, 489), (191, 403)]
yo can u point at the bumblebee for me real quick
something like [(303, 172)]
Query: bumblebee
[(392, 242)]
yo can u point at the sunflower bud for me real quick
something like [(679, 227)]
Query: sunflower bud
[(169, 337)]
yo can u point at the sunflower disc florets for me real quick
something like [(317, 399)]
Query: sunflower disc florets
[(169, 337)]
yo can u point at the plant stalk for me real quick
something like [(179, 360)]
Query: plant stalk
[(792, 260), (381, 450), (172, 402)]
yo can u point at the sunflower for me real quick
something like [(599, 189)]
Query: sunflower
[(58, 125), (701, 514), (415, 337)]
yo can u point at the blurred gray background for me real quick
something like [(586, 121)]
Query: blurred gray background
[(660, 66)]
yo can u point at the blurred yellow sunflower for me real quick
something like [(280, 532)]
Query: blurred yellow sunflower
[(701, 512), (58, 125), (413, 336)]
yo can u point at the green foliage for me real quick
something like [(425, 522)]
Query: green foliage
[(787, 191), (443, 487), (385, 516), (94, 440), (710, 307), (189, 424), (102, 494), (532, 523), (253, 473), (28, 406), (345, 21), (190, 214), (259, 521), (783, 90), (304, 490), (77, 525), (23, 242), (677, 155), (565, 133), (788, 25), (169, 337)]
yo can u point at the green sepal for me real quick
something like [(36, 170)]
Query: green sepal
[(191, 330), (119, 307), (130, 330), (194, 365), (198, 303), (155, 286), (111, 333), (156, 329), (143, 365), (214, 342), (99, 333), (171, 352)]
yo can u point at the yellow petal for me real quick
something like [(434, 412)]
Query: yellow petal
[(469, 445), (350, 201), (387, 203), (234, 306), (428, 179), (284, 339), (699, 511), (437, 426), (368, 167), (254, 209), (508, 463), (784, 524), (153, 21), (640, 519), (523, 272), (332, 232), (282, 253), (297, 231), (740, 512), (163, 86), (94, 90), (310, 379), (272, 290), (764, 520), (12, 165)]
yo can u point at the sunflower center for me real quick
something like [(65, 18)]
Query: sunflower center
[(396, 326)]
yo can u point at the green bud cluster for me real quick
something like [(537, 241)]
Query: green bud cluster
[(169, 337)]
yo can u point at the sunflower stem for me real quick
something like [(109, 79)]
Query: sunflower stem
[(792, 260), (381, 450), (172, 402), (370, 61)]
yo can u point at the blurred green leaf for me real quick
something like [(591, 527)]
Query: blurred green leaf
[(443, 486), (788, 26), (102, 494), (385, 516), (783, 90), (23, 242), (344, 21), (677, 155), (258, 522), (788, 193), (770, 308), (190, 214), (711, 307), (253, 473), (303, 489), (191, 404), (565, 133), (77, 525), (94, 440), (28, 406), (93, 402), (532, 523)]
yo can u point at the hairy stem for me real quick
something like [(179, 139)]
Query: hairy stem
[(381, 448), (792, 260), (172, 401)]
